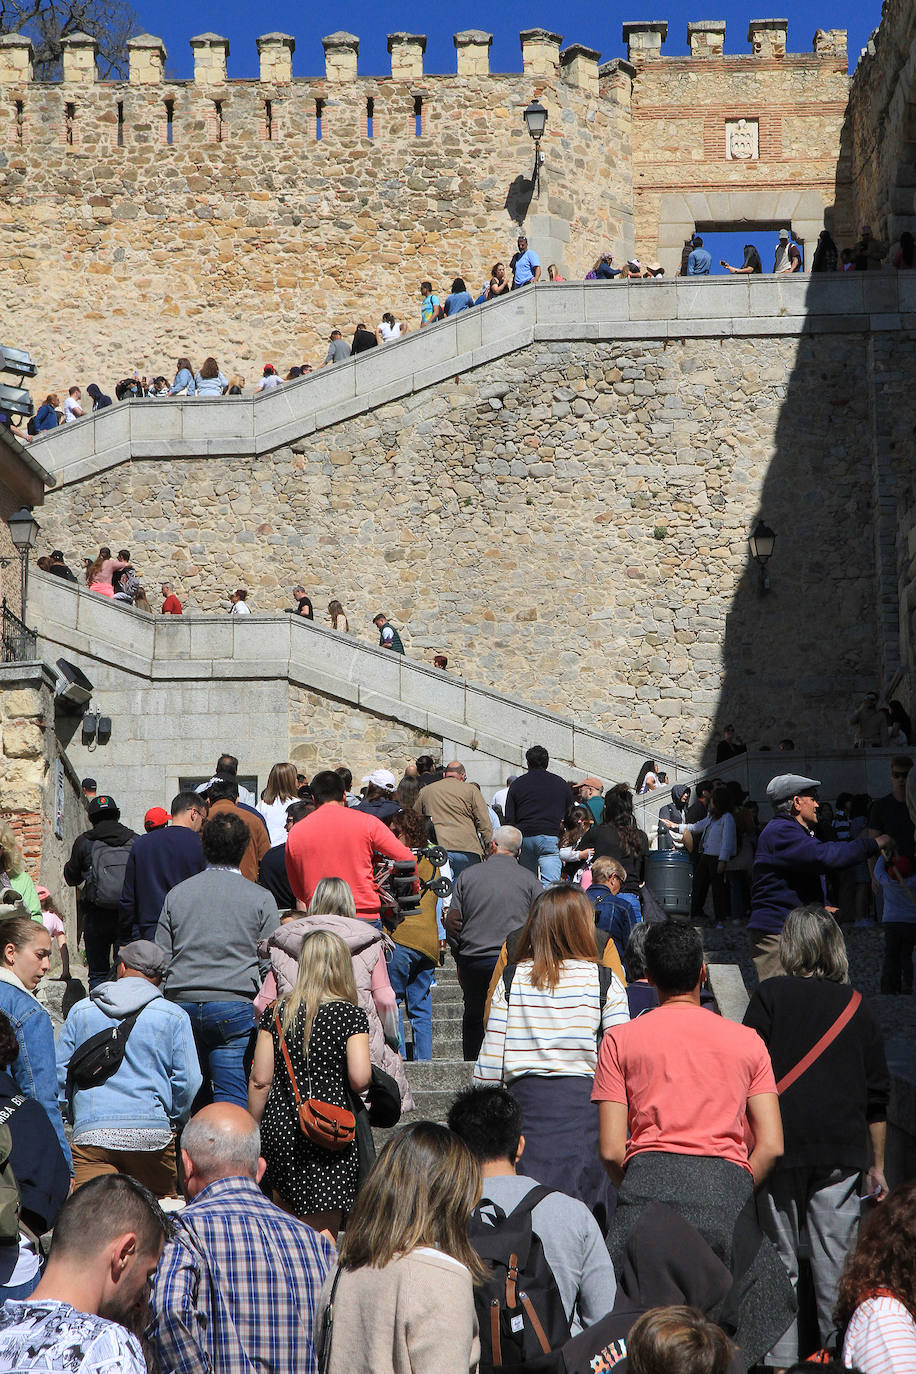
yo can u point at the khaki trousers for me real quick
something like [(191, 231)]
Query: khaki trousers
[(155, 1169), (765, 953)]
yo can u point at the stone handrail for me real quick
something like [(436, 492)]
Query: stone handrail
[(213, 647), (192, 427)]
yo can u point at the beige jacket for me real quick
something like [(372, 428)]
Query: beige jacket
[(414, 1316), (458, 812)]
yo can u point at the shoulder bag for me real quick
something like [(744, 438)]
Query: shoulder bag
[(824, 1043), (330, 1127)]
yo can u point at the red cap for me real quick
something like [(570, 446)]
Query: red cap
[(155, 818)]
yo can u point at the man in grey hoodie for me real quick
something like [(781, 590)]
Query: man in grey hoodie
[(126, 1124)]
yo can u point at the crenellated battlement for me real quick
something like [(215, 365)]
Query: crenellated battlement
[(542, 51)]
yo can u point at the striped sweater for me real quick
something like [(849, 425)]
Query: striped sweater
[(553, 1033)]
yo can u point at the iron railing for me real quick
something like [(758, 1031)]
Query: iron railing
[(17, 641)]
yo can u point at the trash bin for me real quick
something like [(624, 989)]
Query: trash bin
[(670, 877)]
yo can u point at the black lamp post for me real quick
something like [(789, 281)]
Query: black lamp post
[(536, 120), (24, 533), (761, 543)]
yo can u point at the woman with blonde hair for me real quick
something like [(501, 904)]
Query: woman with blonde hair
[(403, 1292), (333, 909), (325, 1034), (548, 1014), (13, 874), (281, 791)]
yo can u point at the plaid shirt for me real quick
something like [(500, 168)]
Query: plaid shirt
[(236, 1288)]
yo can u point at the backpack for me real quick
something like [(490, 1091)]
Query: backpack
[(32, 426), (604, 977), (107, 866), (522, 1321), (98, 1058), (10, 1201)]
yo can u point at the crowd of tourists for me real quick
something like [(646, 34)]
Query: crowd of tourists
[(630, 1181)]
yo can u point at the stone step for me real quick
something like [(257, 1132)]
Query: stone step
[(438, 1074), (432, 1104)]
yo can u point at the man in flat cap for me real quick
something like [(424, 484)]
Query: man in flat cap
[(791, 862), (125, 1124)]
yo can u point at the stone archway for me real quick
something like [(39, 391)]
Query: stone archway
[(683, 214)]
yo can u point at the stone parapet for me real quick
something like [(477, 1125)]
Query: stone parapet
[(15, 59), (579, 66), (79, 53), (211, 53), (341, 53), (767, 37), (276, 53), (407, 51), (540, 52), (146, 58), (473, 52), (706, 38), (644, 38)]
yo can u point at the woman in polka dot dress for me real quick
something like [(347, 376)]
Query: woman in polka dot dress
[(320, 1013)]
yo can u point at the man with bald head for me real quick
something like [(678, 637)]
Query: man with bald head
[(460, 815), (237, 1284)]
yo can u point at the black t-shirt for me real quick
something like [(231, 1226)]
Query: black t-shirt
[(605, 840), (888, 816), (305, 608)]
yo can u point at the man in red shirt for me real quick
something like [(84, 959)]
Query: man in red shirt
[(171, 605), (686, 1084), (337, 841)]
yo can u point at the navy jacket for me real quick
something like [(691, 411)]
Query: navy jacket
[(538, 801), (157, 863), (789, 867), (39, 1166)]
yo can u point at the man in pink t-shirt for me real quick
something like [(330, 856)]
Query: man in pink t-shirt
[(677, 1091), (337, 841)]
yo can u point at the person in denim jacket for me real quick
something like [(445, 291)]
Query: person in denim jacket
[(125, 1124), (25, 957)]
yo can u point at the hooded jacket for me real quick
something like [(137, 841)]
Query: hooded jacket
[(366, 945), (789, 869), (155, 1084), (674, 811), (667, 1264)]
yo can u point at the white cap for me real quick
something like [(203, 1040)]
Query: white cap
[(382, 778)]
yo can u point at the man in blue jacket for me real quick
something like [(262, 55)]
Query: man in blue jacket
[(790, 865), (126, 1124), (159, 861)]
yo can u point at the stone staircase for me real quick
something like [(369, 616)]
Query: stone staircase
[(435, 1082)]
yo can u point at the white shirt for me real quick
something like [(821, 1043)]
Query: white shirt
[(274, 814), (881, 1338), (269, 382), (72, 410), (46, 1334), (389, 331), (240, 608)]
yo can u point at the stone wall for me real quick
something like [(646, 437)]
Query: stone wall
[(45, 817), (249, 237), (881, 126), (569, 525), (738, 141), (324, 732), (153, 218)]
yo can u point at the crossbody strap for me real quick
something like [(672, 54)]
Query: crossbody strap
[(14, 1104), (289, 1062), (824, 1043)]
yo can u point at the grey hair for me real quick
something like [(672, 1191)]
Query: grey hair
[(163, 583), (812, 945), (219, 1153), (634, 956), (784, 808), (333, 897), (509, 838)]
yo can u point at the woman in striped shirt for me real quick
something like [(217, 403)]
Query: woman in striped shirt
[(877, 1303), (546, 1021)]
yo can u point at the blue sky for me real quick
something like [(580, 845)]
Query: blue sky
[(577, 21)]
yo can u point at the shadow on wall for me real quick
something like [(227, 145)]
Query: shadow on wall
[(798, 657), (518, 198)]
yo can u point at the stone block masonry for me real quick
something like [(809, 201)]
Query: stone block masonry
[(568, 523), (152, 218)]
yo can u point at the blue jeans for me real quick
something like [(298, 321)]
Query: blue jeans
[(222, 1031), (541, 852), (460, 860), (633, 902), (411, 974)]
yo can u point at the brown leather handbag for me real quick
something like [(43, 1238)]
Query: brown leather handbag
[(330, 1127)]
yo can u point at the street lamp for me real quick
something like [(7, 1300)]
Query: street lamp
[(536, 120), (24, 534), (761, 543)]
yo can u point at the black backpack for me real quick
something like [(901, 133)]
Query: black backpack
[(107, 867), (522, 1321), (96, 1059)]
